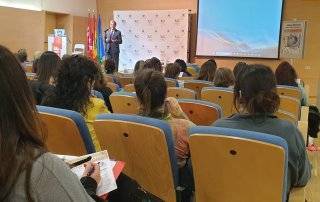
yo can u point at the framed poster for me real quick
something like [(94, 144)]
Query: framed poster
[(292, 39)]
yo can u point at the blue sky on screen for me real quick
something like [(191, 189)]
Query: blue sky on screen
[(252, 21)]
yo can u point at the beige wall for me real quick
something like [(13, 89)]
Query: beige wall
[(308, 68), (30, 29), (20, 28)]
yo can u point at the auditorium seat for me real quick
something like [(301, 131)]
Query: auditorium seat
[(185, 78), (192, 71), (220, 96), (125, 80), (114, 87), (200, 112), (197, 86), (129, 88), (291, 105), (67, 132), (287, 116), (146, 145), (124, 103), (171, 82), (237, 165), (289, 91), (181, 93)]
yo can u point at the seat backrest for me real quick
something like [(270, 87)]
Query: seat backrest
[(171, 82), (186, 78), (146, 146), (124, 103), (286, 116), (181, 93), (192, 71), (197, 86), (67, 132), (200, 112), (220, 96), (125, 80), (129, 88), (291, 105), (237, 165), (114, 87), (289, 91)]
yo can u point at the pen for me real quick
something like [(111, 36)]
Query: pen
[(81, 162)]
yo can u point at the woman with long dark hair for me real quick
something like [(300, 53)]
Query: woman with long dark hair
[(46, 69), (208, 70), (28, 172), (74, 83), (256, 99)]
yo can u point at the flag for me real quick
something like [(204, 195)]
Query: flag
[(89, 37), (94, 37), (100, 42)]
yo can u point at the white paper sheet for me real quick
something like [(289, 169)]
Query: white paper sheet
[(108, 182)]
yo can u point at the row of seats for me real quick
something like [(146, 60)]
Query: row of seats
[(147, 147), (126, 103)]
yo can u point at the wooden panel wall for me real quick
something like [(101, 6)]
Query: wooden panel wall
[(20, 28)]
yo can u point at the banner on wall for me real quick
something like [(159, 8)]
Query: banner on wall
[(292, 39), (57, 44), (152, 33)]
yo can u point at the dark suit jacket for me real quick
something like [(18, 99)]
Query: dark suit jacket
[(112, 47)]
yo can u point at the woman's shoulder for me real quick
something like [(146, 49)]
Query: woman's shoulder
[(97, 101)]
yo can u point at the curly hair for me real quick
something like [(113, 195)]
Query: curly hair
[(256, 91), (73, 85)]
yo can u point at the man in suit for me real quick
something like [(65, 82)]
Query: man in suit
[(113, 39)]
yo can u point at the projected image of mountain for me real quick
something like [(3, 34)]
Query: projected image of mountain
[(220, 44), (236, 28)]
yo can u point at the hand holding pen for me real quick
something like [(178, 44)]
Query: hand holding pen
[(92, 170)]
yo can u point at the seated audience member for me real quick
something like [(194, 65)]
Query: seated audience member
[(75, 80), (223, 78), (138, 66), (238, 68), (207, 71), (35, 65), (256, 99), (183, 68), (153, 63), (46, 68), (110, 68), (22, 56), (172, 71), (286, 75), (101, 86), (313, 128), (28, 171), (151, 90)]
